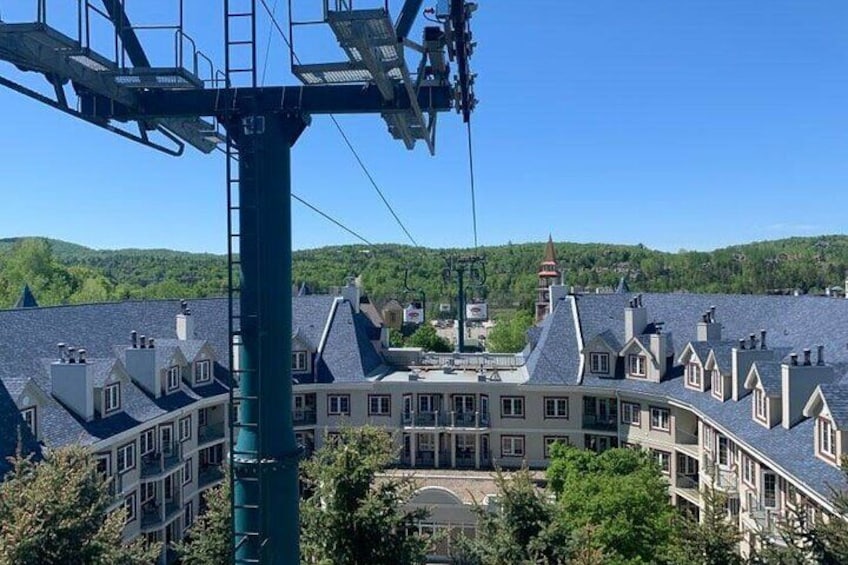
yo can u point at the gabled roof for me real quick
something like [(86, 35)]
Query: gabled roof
[(623, 287), (768, 374), (556, 360), (608, 339), (835, 397), (26, 300), (700, 349)]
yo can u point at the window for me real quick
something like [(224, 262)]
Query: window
[(660, 419), (512, 446), (130, 505), (723, 451), (428, 403), (30, 416), (203, 371), (148, 492), (664, 460), (188, 515), (556, 407), (693, 375), (631, 413), (512, 407), (769, 489), (551, 440), (338, 405), (111, 398), (717, 383), (126, 457), (708, 438), (173, 378), (379, 405), (148, 441), (298, 361), (426, 442), (185, 428), (636, 365), (187, 474), (760, 405), (749, 470), (599, 362), (202, 417), (827, 438)]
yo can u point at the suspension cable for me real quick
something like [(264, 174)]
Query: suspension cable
[(330, 218), (473, 194)]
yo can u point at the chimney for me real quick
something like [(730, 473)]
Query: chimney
[(659, 349), (708, 328), (635, 318), (72, 384), (820, 359), (797, 384), (742, 344), (762, 339), (753, 339), (352, 293), (62, 352), (742, 358), (185, 322), (141, 366), (134, 339)]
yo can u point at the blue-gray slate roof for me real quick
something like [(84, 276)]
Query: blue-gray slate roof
[(770, 377), (836, 397), (792, 323)]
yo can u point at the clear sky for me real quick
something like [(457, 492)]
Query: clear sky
[(677, 124)]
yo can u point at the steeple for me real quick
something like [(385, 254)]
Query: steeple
[(26, 300), (548, 275)]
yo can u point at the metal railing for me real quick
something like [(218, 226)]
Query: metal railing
[(424, 419), (687, 481), (606, 423), (210, 433), (767, 519), (304, 416), (684, 437), (474, 361), (168, 458), (724, 478), (468, 419), (209, 475)]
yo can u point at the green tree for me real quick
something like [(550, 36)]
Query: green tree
[(510, 333), (426, 338), (348, 516), (209, 540), (618, 495), (711, 541), (521, 529), (55, 512)]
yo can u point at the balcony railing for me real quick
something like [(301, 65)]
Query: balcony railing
[(722, 478), (154, 514), (601, 423), (210, 433), (304, 416), (684, 437), (767, 519), (424, 419), (209, 475), (162, 461), (687, 482), (468, 419)]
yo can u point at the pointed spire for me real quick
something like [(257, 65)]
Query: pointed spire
[(623, 287), (27, 300), (550, 252)]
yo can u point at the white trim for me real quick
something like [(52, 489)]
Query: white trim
[(580, 345)]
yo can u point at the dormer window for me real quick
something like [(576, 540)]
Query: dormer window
[(827, 438), (717, 383), (173, 379), (693, 375), (637, 365), (111, 398), (599, 362), (30, 416), (203, 371), (760, 405), (298, 361)]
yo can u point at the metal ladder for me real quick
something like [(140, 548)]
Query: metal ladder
[(240, 71)]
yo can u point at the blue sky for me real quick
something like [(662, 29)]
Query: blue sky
[(693, 124)]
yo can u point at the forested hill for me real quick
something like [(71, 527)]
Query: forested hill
[(61, 272)]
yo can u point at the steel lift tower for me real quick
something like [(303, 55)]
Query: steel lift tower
[(190, 102)]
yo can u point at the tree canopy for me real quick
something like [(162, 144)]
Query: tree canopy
[(56, 512), (510, 333)]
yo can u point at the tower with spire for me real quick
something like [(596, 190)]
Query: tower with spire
[(548, 275)]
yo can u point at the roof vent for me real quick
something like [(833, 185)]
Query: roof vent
[(741, 344), (134, 339), (807, 361), (62, 352), (81, 356), (150, 343), (72, 354), (142, 342), (793, 359), (820, 359), (753, 339), (762, 339)]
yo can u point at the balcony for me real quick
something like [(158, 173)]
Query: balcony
[(209, 475), (304, 416), (468, 419), (766, 520), (115, 488), (600, 423), (156, 464), (725, 479), (423, 419), (210, 433), (154, 514)]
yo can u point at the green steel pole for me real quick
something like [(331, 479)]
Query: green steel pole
[(460, 299), (265, 456)]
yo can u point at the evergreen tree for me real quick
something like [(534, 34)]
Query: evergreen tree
[(348, 517), (713, 540), (210, 539), (54, 512)]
